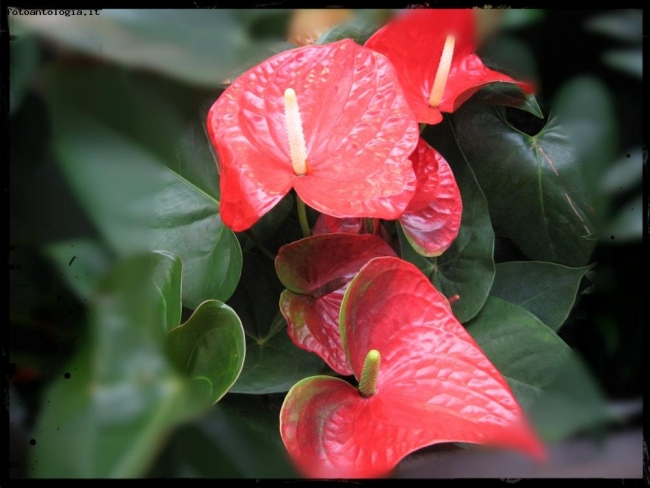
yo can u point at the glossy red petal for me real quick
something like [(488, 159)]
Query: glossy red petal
[(435, 384), (414, 42), (314, 262), (358, 129), (432, 219), (313, 325), (317, 270), (331, 431)]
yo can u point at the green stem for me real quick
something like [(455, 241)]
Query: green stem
[(370, 225), (422, 127), (369, 374), (302, 216)]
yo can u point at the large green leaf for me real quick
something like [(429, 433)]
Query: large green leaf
[(467, 267), (142, 169), (549, 381), (81, 263), (209, 347), (546, 290), (194, 45), (108, 415), (273, 363), (533, 184)]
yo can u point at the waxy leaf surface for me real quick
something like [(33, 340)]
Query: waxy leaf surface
[(546, 290), (434, 383), (122, 386), (316, 270), (432, 219), (414, 43), (552, 219), (139, 164), (550, 382), (357, 125), (210, 348)]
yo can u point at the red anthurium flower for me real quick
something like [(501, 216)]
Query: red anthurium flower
[(330, 121), (316, 270), (432, 218), (433, 52), (422, 380)]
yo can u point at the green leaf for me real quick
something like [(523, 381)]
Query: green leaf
[(509, 95), (142, 169), (167, 278), (209, 348), (467, 267), (273, 363), (121, 397), (359, 30), (200, 46), (549, 381), (81, 262), (546, 290), (238, 438), (533, 184)]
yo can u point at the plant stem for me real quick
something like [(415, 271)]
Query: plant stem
[(302, 216), (370, 224)]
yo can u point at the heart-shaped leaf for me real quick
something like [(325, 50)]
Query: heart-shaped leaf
[(273, 363), (121, 395), (209, 348), (432, 219), (465, 269), (143, 172), (550, 383), (433, 383), (351, 137), (415, 42), (316, 271), (533, 184), (546, 290)]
